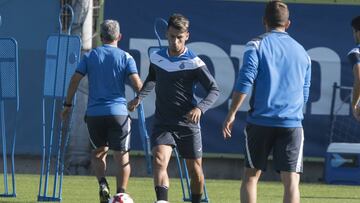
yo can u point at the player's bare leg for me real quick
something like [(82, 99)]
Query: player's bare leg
[(291, 182), (98, 162), (248, 189), (197, 178), (161, 154), (123, 168)]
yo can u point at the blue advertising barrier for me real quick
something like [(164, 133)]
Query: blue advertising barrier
[(219, 31)]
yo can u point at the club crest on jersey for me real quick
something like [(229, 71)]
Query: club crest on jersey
[(182, 65)]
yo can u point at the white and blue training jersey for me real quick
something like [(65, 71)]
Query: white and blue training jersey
[(107, 68), (174, 79), (354, 56), (277, 70)]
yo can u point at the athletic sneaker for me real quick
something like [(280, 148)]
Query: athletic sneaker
[(161, 201), (104, 193)]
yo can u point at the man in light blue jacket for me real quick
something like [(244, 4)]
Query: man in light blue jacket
[(277, 70)]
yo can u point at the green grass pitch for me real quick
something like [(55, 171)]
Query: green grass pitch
[(84, 189)]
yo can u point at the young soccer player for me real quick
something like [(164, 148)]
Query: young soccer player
[(277, 70), (173, 72), (354, 57), (107, 68)]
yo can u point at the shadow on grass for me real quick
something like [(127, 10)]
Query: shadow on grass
[(16, 201), (318, 197), (339, 198)]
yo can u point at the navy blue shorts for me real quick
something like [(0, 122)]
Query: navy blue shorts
[(187, 140), (111, 131), (286, 145)]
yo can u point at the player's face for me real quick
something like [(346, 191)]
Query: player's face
[(176, 39), (356, 34)]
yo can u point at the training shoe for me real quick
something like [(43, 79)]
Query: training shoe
[(104, 193), (161, 201)]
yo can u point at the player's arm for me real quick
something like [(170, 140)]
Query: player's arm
[(246, 77), (80, 72), (354, 58), (208, 82), (149, 83), (132, 73), (135, 82), (236, 102), (307, 83), (145, 90), (74, 84), (356, 91)]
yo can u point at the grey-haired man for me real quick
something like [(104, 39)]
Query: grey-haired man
[(107, 68)]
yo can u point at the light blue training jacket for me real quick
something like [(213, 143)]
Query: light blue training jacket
[(277, 70)]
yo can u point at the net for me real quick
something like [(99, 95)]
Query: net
[(344, 127)]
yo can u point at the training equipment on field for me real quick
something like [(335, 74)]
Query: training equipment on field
[(62, 57), (342, 164), (183, 172), (343, 126), (121, 198), (9, 87), (145, 138), (186, 191), (343, 153)]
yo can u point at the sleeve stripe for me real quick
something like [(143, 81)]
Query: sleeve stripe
[(81, 73)]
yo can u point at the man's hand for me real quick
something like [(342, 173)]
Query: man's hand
[(194, 115), (65, 113), (131, 106), (228, 125), (356, 112)]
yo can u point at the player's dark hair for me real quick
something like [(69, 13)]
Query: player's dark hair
[(178, 22), (355, 23), (276, 14)]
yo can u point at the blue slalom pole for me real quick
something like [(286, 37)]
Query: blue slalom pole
[(43, 148), (4, 147), (187, 177), (180, 173), (145, 138)]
